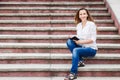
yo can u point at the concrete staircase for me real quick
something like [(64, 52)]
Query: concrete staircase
[(33, 37)]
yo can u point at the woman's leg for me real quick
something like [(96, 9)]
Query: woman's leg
[(78, 53), (71, 45)]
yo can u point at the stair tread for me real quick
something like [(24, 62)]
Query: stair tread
[(58, 67), (53, 3), (58, 78), (49, 21), (111, 28), (98, 56), (52, 45), (47, 8), (49, 14), (53, 37), (54, 56)]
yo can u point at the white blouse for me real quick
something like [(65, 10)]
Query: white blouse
[(88, 32)]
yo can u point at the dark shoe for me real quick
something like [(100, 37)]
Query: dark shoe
[(71, 77), (81, 64)]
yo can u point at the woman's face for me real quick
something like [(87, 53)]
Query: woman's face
[(83, 15)]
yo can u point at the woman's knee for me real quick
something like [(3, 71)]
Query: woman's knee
[(69, 42), (75, 52)]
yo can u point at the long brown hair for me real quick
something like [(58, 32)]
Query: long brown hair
[(78, 20)]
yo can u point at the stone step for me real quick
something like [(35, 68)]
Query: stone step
[(58, 69), (53, 56), (51, 47), (48, 16), (59, 58), (44, 0), (53, 30), (47, 21), (58, 78), (52, 3), (47, 10), (53, 38), (99, 28), (100, 58), (53, 23)]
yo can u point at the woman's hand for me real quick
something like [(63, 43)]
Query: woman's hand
[(77, 41)]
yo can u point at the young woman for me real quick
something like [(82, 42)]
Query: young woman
[(86, 45)]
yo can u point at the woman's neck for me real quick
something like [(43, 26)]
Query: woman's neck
[(84, 23)]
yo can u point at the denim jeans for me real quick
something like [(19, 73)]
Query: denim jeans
[(78, 51)]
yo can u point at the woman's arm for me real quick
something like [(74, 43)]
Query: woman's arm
[(84, 41)]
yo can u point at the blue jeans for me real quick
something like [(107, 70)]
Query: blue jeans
[(78, 51)]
